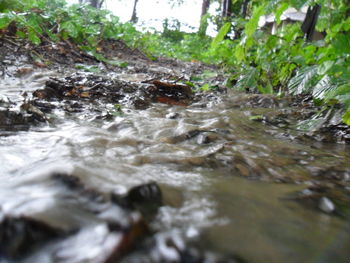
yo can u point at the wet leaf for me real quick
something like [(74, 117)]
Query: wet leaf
[(121, 64), (324, 67), (4, 20), (283, 7), (205, 87), (33, 36), (88, 68), (252, 24), (346, 118), (170, 101), (221, 35), (304, 80), (70, 28), (85, 94), (257, 118)]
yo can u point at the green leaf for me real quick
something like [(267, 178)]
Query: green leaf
[(34, 23), (323, 87), (20, 34), (88, 68), (4, 20), (341, 94), (33, 37), (70, 28), (342, 43), (121, 64), (221, 34), (268, 89), (324, 67), (346, 118), (248, 80), (252, 24), (240, 52), (205, 87), (347, 24), (209, 74), (304, 80), (283, 7), (52, 36), (257, 118)]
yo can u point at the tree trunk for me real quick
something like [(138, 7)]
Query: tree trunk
[(205, 7), (134, 17), (245, 8), (204, 23), (226, 8), (94, 3), (309, 24)]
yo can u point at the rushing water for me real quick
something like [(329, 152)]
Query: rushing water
[(200, 173)]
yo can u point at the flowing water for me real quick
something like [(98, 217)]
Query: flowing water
[(219, 171)]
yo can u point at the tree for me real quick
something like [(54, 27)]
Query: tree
[(226, 8), (204, 18), (309, 24), (245, 8), (94, 3), (134, 17)]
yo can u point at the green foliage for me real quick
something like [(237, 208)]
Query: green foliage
[(346, 118), (44, 20), (284, 62), (221, 35), (257, 60)]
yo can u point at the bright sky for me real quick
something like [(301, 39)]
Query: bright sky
[(153, 12)]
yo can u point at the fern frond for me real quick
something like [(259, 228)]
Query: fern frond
[(304, 80)]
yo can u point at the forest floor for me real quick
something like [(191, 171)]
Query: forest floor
[(173, 81)]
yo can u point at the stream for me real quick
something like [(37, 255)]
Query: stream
[(230, 185)]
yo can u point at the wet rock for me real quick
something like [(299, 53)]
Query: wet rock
[(15, 121), (45, 107), (326, 198), (36, 113), (140, 104), (326, 205), (75, 222), (173, 94), (146, 198), (147, 193), (335, 133), (18, 235), (205, 138), (183, 137), (172, 115)]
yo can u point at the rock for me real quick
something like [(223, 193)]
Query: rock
[(172, 115), (18, 235), (169, 93), (15, 121), (326, 205), (75, 222)]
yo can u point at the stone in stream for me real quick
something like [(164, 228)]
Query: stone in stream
[(16, 121), (326, 205), (169, 93), (146, 198), (64, 220), (18, 235)]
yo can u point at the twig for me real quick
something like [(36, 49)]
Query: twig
[(11, 42)]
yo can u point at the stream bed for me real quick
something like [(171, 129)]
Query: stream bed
[(218, 185)]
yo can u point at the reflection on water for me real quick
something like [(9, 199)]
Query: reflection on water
[(195, 159)]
